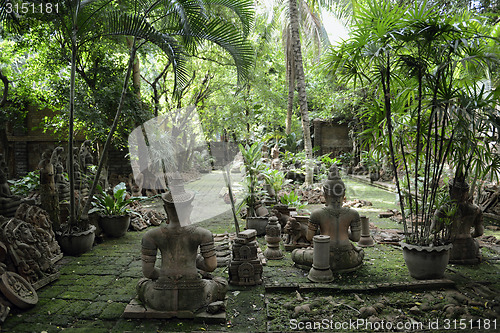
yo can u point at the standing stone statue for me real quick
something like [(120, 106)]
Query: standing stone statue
[(275, 155), (48, 193), (464, 216), (341, 224), (62, 184), (8, 201), (177, 287)]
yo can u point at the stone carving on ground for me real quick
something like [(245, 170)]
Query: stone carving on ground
[(145, 217), (30, 247), (295, 235), (341, 224), (245, 268), (181, 286), (17, 290), (40, 220)]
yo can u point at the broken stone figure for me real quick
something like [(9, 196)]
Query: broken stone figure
[(341, 224), (464, 216), (181, 287)]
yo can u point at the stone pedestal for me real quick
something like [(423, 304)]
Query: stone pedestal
[(320, 270), (366, 239), (273, 239), (245, 269)]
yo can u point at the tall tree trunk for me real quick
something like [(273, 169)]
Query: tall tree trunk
[(291, 89), (136, 70), (70, 165), (301, 86), (3, 127)]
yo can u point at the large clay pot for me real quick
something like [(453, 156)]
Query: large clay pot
[(76, 244), (114, 226), (257, 223), (426, 262)]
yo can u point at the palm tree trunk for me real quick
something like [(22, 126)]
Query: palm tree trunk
[(301, 87), (291, 90), (136, 70), (70, 164)]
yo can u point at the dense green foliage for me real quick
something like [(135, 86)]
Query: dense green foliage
[(432, 99)]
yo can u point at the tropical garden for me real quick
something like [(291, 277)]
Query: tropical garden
[(240, 97)]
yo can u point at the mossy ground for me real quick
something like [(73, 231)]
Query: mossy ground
[(94, 289)]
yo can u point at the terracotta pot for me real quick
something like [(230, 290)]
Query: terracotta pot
[(257, 223), (426, 262), (78, 243), (114, 226)]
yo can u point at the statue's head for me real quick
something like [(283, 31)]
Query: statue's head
[(177, 200), (334, 187), (458, 189)]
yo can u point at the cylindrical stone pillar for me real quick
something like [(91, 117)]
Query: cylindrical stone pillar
[(366, 239), (320, 271)]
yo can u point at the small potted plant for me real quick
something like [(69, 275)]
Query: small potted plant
[(275, 180), (114, 216), (253, 166)]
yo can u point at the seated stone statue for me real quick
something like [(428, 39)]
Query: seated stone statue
[(335, 221), (178, 284), (464, 216)]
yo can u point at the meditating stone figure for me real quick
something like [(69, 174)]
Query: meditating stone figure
[(341, 224), (177, 286), (464, 216)]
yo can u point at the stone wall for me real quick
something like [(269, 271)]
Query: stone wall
[(331, 136)]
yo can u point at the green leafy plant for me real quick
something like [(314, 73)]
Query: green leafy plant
[(252, 166), (372, 160), (113, 204), (276, 179), (26, 185), (292, 200), (434, 116)]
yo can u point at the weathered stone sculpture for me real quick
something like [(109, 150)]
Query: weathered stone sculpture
[(341, 224), (276, 162), (48, 193), (464, 216), (8, 201), (295, 235), (40, 220), (29, 251), (273, 239), (62, 184), (245, 268), (85, 156), (176, 289)]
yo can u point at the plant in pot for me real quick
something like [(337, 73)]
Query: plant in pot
[(114, 215), (274, 181), (434, 50), (253, 166)]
